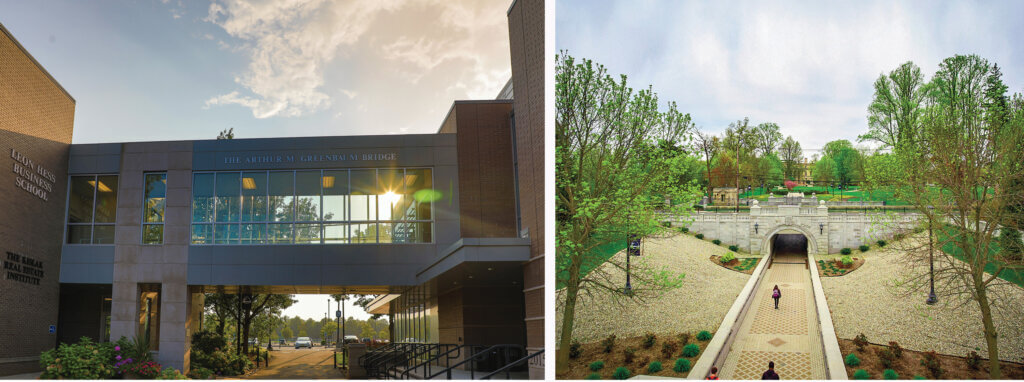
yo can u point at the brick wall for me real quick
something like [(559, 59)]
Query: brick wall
[(36, 118)]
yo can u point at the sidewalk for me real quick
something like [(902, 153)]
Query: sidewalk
[(789, 336)]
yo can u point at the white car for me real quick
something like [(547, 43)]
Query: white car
[(303, 342)]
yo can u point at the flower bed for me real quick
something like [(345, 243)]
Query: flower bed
[(640, 357), (909, 365), (742, 265), (833, 268)]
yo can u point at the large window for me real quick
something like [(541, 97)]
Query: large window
[(153, 208), (92, 209), (313, 206)]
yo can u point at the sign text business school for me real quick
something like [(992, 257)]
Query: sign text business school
[(309, 158)]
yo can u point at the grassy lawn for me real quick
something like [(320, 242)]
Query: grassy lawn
[(1011, 275), (602, 252)]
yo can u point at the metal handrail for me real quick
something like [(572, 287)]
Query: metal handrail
[(509, 367), (478, 355), (448, 356), (416, 352), (370, 360)]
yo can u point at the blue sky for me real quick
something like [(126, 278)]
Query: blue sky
[(174, 70), (808, 66)]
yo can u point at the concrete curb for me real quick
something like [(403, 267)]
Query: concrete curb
[(718, 348), (834, 367)]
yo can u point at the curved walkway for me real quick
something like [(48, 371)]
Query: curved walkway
[(789, 336)]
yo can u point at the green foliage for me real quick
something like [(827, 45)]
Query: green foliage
[(596, 365), (704, 335), (170, 373), (593, 376), (845, 251), (621, 373), (886, 357), (666, 224), (654, 367), (734, 248), (199, 372), (780, 192), (210, 351), (208, 342), (684, 229), (890, 374), (83, 360), (727, 257), (608, 343), (852, 360), (691, 350), (861, 341), (716, 241), (881, 243), (918, 377), (575, 350), (649, 339), (863, 248), (846, 260), (1010, 244), (973, 360), (930, 361), (700, 236), (682, 365), (861, 374)]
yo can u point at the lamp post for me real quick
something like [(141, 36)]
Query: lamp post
[(931, 271)]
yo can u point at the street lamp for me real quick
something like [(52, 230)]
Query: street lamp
[(632, 249), (931, 270), (755, 227)]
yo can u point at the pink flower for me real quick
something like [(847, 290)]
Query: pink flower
[(118, 358), (117, 348)]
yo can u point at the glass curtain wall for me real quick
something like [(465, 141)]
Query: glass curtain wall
[(92, 209), (313, 206), (415, 317)]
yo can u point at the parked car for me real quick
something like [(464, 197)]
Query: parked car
[(350, 339), (303, 342), (254, 342)]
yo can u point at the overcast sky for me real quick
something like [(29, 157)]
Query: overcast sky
[(808, 66), (174, 69), (315, 306)]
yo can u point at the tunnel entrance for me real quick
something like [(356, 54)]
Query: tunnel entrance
[(789, 248)]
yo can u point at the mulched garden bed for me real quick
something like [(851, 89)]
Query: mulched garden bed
[(579, 368), (832, 268), (742, 265), (910, 364)]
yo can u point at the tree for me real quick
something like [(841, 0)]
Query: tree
[(227, 134), (287, 333), (824, 169), (383, 335), (894, 111), (766, 137), (367, 331), (741, 141), (709, 145), (959, 173), (791, 153), (609, 163), (259, 304), (844, 160)]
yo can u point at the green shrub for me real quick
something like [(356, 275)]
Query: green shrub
[(845, 251), (575, 349), (734, 248), (846, 260), (727, 257), (649, 339), (208, 342), (973, 360), (886, 357), (608, 343), (890, 374), (897, 350), (780, 192), (654, 367), (621, 373), (596, 365), (863, 248), (682, 365), (704, 335), (668, 349), (594, 376), (666, 224), (691, 350), (198, 372), (716, 241), (628, 354), (930, 361), (918, 377), (83, 360), (852, 360), (170, 373), (700, 236), (861, 374), (685, 229), (684, 338), (861, 341), (881, 243), (213, 353)]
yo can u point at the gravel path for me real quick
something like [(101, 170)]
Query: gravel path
[(865, 302), (707, 293)]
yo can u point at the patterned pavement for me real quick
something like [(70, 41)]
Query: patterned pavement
[(789, 336)]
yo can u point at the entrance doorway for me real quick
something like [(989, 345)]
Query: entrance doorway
[(789, 248)]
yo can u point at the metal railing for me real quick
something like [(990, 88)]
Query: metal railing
[(398, 366), (496, 351), (428, 365), (507, 369)]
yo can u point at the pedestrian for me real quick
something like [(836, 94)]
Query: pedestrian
[(714, 374), (770, 373), (776, 295)]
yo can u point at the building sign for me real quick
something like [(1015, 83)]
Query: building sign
[(308, 158), (32, 177), (23, 269)]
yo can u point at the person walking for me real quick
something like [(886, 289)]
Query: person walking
[(713, 375), (776, 295), (770, 373)]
